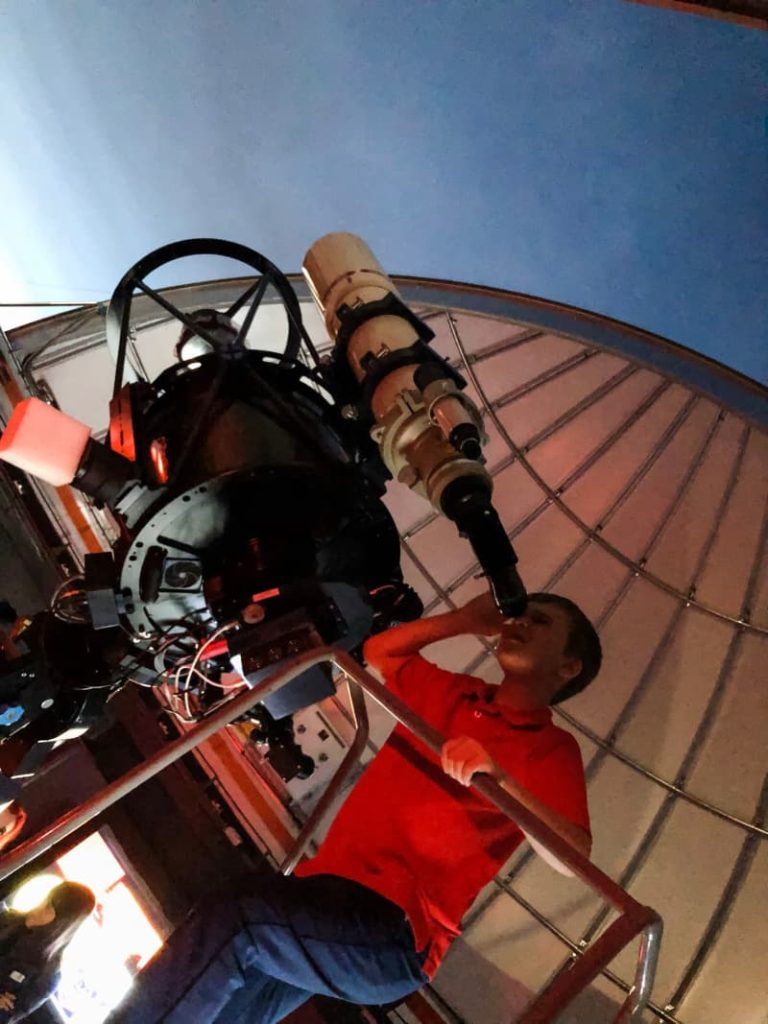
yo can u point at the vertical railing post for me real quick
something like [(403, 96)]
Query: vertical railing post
[(335, 786)]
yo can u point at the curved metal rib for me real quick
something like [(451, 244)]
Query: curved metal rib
[(724, 907), (661, 647), (705, 726), (556, 499), (575, 475), (576, 949)]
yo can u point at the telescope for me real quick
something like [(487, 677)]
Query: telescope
[(247, 489)]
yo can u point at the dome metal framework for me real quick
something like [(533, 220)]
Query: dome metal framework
[(632, 476)]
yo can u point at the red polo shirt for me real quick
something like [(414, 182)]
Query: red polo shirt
[(422, 840)]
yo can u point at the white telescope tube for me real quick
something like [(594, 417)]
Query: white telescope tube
[(412, 426)]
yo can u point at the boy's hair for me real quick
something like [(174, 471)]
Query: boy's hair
[(72, 900), (583, 643), (73, 903)]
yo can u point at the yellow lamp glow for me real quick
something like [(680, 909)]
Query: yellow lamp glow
[(33, 892)]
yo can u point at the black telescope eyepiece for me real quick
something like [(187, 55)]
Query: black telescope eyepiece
[(467, 501)]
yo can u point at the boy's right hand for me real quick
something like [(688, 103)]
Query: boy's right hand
[(481, 616)]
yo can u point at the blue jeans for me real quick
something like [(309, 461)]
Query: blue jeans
[(259, 954)]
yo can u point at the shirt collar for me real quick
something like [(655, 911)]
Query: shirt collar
[(482, 696)]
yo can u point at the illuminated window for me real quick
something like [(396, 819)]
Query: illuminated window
[(119, 938), (92, 863)]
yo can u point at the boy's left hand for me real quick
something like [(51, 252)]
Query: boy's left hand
[(463, 756)]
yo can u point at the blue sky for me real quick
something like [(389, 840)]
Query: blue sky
[(604, 154)]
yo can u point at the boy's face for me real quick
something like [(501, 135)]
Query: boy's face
[(534, 646)]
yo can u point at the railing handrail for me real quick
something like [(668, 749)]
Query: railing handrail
[(634, 918)]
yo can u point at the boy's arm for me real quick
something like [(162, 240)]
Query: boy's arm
[(388, 650), (463, 756), (576, 836)]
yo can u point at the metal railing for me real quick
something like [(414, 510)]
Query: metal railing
[(634, 919)]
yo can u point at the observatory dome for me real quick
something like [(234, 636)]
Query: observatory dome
[(632, 476)]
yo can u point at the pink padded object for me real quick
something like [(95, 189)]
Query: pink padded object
[(45, 442)]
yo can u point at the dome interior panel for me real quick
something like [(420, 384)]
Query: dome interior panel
[(497, 451), (652, 501), (500, 373), (543, 546), (407, 507), (156, 343), (760, 600), (493, 971), (478, 333), (593, 580), (269, 327), (684, 877), (592, 494), (686, 534), (731, 767), (65, 379), (599, 1004), (733, 983), (314, 323), (629, 638), (567, 903), (734, 554), (470, 587), (555, 458), (490, 892), (595, 422), (516, 494), (442, 550), (453, 655), (443, 342), (525, 416), (667, 714)]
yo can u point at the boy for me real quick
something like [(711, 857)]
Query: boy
[(370, 917)]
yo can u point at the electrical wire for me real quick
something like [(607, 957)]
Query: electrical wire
[(179, 676), (80, 614), (172, 710), (204, 646), (137, 661), (184, 667), (221, 686), (186, 691), (65, 583)]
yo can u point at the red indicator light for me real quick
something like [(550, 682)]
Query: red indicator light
[(158, 453)]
